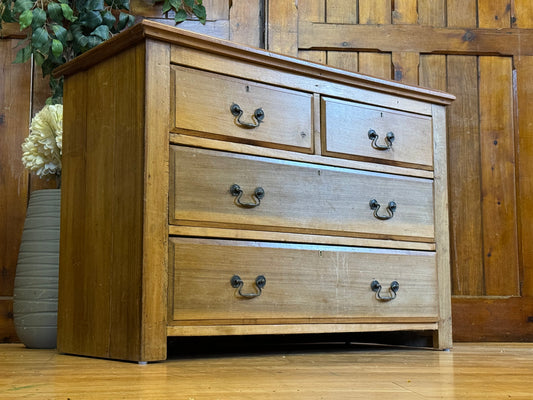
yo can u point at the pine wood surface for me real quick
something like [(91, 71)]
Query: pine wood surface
[(302, 274), (96, 173), (200, 182), (214, 96), (114, 288), (273, 370), (347, 126)]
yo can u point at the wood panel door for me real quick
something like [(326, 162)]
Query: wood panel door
[(14, 121), (482, 52)]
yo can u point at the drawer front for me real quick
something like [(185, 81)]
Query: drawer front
[(359, 131), (300, 282), (298, 197), (203, 106)]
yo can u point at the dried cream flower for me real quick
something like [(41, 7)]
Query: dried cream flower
[(41, 151)]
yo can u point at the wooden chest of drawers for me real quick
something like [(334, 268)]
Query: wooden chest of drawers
[(213, 189)]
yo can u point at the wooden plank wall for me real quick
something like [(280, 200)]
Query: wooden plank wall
[(481, 51)]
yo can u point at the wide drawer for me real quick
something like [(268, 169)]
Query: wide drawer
[(208, 104), (298, 197), (301, 283), (354, 130)]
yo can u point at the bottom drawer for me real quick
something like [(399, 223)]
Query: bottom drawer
[(302, 283)]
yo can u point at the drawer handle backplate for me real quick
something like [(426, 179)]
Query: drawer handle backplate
[(257, 117), (372, 135), (236, 191), (393, 289), (391, 208), (237, 283)]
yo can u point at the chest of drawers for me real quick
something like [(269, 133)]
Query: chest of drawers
[(212, 189)]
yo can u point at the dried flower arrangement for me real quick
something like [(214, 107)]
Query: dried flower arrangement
[(41, 150)]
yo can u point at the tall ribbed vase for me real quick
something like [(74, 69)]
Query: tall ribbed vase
[(36, 278)]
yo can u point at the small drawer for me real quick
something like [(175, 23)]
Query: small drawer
[(211, 105), (358, 131), (214, 188), (258, 282)]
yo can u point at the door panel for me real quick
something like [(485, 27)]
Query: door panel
[(489, 130)]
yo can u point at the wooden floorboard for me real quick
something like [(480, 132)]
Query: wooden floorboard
[(291, 371)]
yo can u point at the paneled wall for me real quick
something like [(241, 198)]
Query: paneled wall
[(482, 52), (479, 50)]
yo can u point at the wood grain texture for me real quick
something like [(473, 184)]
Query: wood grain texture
[(283, 237), (524, 110), (217, 94), (432, 71), (497, 148), (522, 14), (341, 12), (246, 22), (201, 181), (12, 31), (282, 27), (465, 177), (7, 327), (316, 56), (376, 64), (461, 13), (15, 80), (300, 328), (502, 319), (155, 202), (192, 141), (320, 367), (203, 268), (312, 11), (346, 126), (216, 9), (147, 8), (71, 331), (432, 12), (494, 14), (404, 12), (442, 337), (415, 38), (405, 67), (524, 70), (372, 12), (344, 60), (100, 277)]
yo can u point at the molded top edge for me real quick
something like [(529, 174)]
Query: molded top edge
[(147, 29)]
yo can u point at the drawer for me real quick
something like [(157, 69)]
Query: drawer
[(359, 131), (301, 282), (298, 197), (218, 106)]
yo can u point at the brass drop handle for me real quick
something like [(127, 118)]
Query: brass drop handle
[(375, 206), (372, 135), (236, 191), (393, 289), (237, 283), (257, 117)]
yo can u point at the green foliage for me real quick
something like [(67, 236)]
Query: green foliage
[(184, 8), (59, 30)]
